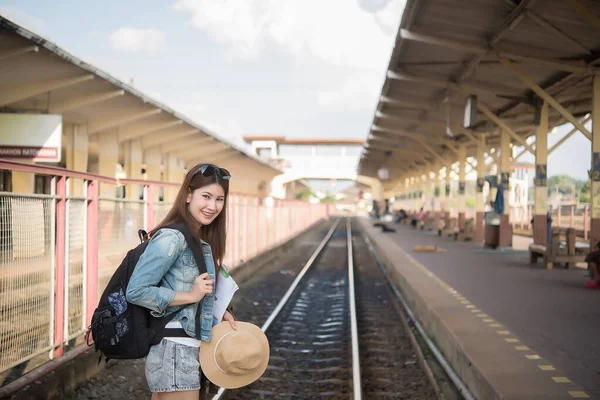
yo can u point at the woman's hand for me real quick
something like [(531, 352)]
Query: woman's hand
[(203, 285), (229, 318)]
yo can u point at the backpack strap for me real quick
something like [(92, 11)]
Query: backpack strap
[(199, 256)]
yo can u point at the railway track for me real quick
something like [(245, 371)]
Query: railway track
[(338, 332)]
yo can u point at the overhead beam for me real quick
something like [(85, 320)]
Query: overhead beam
[(186, 143), (202, 151), (524, 55), (74, 103), (136, 131), (420, 105), (433, 152), (585, 13), (405, 133), (544, 95), (4, 55), (204, 155), (164, 137), (568, 135), (480, 87), (410, 120), (559, 32), (488, 113), (13, 93), (102, 123)]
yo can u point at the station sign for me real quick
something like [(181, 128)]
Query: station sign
[(31, 137)]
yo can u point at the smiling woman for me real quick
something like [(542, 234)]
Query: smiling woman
[(167, 281)]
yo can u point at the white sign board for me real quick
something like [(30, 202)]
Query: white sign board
[(32, 137)]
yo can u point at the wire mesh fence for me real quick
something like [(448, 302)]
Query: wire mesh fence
[(58, 252), (26, 281)]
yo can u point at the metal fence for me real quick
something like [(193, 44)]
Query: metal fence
[(564, 216), (58, 251)]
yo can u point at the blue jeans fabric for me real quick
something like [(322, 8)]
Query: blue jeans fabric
[(172, 367)]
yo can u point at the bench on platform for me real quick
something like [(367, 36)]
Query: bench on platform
[(468, 233), (563, 248), (449, 230)]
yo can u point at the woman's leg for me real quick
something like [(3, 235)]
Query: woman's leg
[(184, 395)]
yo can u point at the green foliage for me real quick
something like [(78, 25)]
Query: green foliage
[(567, 185), (304, 195), (328, 198), (564, 184)]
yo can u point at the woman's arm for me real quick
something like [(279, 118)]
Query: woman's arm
[(159, 256)]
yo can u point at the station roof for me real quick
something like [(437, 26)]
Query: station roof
[(38, 76), (305, 141), (449, 49)]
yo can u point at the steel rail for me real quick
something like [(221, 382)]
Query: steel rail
[(464, 391), (290, 291), (356, 382)]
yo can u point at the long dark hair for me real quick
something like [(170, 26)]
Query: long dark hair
[(214, 234)]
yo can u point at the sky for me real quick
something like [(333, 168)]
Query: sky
[(295, 68)]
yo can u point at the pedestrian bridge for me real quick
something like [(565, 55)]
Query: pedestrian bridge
[(299, 159)]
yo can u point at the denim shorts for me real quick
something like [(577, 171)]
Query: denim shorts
[(172, 367)]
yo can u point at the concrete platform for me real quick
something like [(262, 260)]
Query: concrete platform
[(509, 330)]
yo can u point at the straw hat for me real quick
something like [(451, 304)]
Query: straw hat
[(234, 358)]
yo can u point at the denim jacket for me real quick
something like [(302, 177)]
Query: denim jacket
[(168, 266)]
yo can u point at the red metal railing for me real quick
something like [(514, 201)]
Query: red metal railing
[(59, 275)]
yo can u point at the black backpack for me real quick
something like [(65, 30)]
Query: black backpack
[(122, 330)]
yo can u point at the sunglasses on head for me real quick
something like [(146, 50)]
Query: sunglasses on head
[(211, 169)]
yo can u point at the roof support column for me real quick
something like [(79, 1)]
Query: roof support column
[(77, 143), (418, 190), (446, 205), (595, 171), (108, 157), (505, 228), (133, 166), (172, 174), (462, 200), (479, 199), (540, 222), (437, 206), (153, 161)]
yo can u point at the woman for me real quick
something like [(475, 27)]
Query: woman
[(166, 280)]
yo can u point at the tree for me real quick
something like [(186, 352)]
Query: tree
[(304, 195), (328, 198)]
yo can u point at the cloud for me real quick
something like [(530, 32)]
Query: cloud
[(355, 36), (357, 92), (137, 40), (22, 18), (338, 32)]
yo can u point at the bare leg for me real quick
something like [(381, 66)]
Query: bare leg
[(185, 395)]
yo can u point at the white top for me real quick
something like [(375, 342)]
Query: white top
[(188, 341)]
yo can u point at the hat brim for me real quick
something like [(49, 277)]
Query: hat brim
[(207, 359)]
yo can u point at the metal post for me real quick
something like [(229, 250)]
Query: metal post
[(59, 303), (92, 250)]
